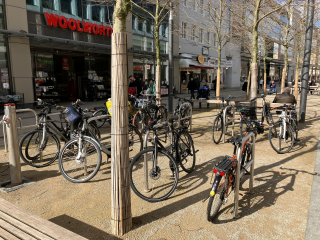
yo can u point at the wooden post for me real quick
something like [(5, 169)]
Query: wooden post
[(121, 217)]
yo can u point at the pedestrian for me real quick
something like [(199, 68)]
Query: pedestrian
[(293, 82), (272, 87), (261, 83), (214, 83), (192, 86), (151, 89), (197, 81)]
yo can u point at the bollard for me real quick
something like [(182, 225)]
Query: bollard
[(13, 143)]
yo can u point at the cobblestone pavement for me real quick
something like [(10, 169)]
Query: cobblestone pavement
[(278, 209)]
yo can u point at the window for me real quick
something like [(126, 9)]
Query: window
[(82, 8), (184, 2), (47, 4), (149, 46), (30, 2), (183, 30), (214, 39), (193, 33), (193, 4), (201, 35), (140, 25), (201, 6), (163, 30), (138, 42), (134, 22), (148, 25), (66, 6), (95, 13), (163, 47), (208, 37), (109, 14)]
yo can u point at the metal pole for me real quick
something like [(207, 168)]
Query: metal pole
[(13, 143), (170, 58), (236, 191), (253, 156), (306, 62)]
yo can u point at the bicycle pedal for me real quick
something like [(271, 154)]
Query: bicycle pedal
[(240, 194)]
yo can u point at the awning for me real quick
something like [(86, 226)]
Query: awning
[(196, 66)]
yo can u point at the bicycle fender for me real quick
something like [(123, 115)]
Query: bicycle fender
[(215, 185)]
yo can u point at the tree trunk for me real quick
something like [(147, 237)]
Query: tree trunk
[(265, 84), (248, 85), (296, 84), (285, 69), (121, 217), (254, 72), (158, 68), (218, 75)]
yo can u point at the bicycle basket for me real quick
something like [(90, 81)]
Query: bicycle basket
[(72, 115)]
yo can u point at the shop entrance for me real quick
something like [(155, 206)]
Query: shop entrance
[(61, 75)]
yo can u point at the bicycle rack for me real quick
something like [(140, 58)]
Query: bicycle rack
[(186, 117), (239, 173), (226, 121)]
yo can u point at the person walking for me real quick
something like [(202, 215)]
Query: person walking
[(214, 83), (197, 81), (192, 85), (261, 83)]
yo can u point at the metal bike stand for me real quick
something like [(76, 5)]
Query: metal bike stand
[(190, 116), (239, 173)]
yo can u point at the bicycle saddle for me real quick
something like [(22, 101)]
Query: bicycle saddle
[(235, 140)]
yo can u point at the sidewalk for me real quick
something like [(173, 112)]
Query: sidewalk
[(279, 209)]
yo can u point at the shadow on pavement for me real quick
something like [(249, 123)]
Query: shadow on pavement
[(83, 229)]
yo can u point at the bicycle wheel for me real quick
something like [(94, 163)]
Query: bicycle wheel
[(100, 122), (246, 154), (135, 141), (80, 165), (216, 200), (186, 155), (281, 141), (150, 183), (140, 118), (93, 130), (30, 152), (295, 127), (162, 112), (217, 129)]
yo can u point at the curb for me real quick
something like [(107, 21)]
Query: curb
[(313, 230)]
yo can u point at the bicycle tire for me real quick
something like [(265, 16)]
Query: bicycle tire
[(141, 117), (25, 154), (295, 127), (95, 160), (94, 132), (135, 141), (273, 134), (186, 112), (168, 168), (100, 122), (212, 210), (217, 129), (162, 112), (184, 139)]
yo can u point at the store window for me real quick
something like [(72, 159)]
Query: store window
[(149, 44), (184, 30), (138, 42), (163, 47), (140, 25), (4, 71), (66, 6), (163, 29), (30, 2), (134, 22), (109, 14), (82, 8), (95, 13), (148, 25), (48, 4)]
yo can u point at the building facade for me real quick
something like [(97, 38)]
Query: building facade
[(61, 49)]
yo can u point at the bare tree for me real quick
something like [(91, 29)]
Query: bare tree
[(253, 10)]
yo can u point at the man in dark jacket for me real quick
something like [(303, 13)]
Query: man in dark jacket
[(136, 84), (192, 85), (285, 97), (197, 81)]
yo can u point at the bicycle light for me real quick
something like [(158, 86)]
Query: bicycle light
[(215, 171), (222, 174)]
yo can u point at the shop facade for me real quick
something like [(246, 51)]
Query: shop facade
[(61, 50)]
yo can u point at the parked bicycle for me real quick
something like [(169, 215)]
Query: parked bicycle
[(41, 147), (154, 171), (225, 176), (81, 158), (148, 112), (218, 123), (183, 110)]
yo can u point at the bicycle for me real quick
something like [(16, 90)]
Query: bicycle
[(218, 123), (148, 112), (41, 147), (81, 158), (183, 111), (152, 163), (281, 134), (225, 175)]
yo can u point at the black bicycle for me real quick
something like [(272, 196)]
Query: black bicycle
[(154, 171), (183, 111)]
